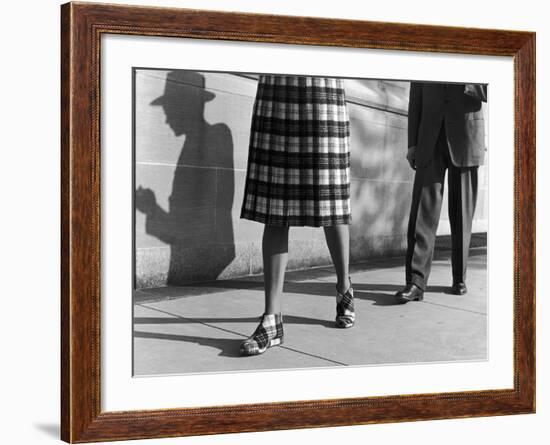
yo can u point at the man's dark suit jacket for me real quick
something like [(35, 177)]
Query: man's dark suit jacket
[(431, 105)]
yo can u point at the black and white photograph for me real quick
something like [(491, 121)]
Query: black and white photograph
[(288, 221), (275, 222)]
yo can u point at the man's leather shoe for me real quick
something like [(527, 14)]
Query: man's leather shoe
[(411, 292), (459, 288)]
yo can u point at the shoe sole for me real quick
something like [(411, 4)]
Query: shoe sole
[(343, 324), (273, 342), (403, 300)]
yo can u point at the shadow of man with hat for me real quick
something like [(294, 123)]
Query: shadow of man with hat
[(198, 224)]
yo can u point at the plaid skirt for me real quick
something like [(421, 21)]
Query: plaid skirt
[(299, 159)]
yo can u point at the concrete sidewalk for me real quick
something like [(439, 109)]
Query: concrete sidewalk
[(198, 328)]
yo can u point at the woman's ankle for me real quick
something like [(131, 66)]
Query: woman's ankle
[(344, 286)]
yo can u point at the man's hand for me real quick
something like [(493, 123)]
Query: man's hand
[(476, 91), (411, 156), (145, 200)]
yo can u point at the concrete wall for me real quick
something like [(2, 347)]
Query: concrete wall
[(191, 149)]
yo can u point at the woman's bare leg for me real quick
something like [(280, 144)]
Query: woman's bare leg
[(275, 258), (337, 238)]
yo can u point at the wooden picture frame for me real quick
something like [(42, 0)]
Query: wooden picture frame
[(82, 25)]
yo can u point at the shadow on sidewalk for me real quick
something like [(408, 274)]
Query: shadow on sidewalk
[(296, 281), (379, 294), (316, 283), (227, 347), (177, 319)]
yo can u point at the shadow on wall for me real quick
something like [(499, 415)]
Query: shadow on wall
[(195, 216), (188, 226), (381, 179)]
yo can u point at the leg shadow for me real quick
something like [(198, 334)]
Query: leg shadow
[(227, 347), (288, 319)]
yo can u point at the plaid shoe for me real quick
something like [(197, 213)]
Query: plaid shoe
[(345, 311), (268, 333)]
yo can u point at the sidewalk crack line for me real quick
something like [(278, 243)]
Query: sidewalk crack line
[(239, 334)]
